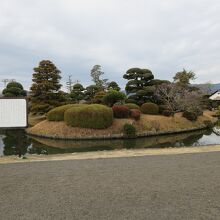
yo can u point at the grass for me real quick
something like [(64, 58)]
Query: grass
[(146, 123)]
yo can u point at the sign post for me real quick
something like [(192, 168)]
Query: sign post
[(13, 113)]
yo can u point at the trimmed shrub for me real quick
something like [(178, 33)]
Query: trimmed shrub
[(192, 116), (14, 85), (40, 108), (167, 113), (150, 108), (129, 100), (198, 111), (57, 114), (162, 108), (132, 106), (129, 131), (208, 124), (135, 114), (98, 98), (113, 96), (121, 111), (89, 116)]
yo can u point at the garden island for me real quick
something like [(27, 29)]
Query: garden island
[(146, 107)]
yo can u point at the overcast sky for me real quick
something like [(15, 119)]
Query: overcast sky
[(162, 35)]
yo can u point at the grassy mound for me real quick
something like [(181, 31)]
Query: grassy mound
[(57, 114), (89, 116)]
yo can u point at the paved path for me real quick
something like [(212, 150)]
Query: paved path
[(169, 187)]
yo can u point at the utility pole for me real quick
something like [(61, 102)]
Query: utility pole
[(6, 81), (69, 84)]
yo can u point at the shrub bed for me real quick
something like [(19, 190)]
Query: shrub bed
[(57, 114), (150, 108), (90, 116), (121, 111)]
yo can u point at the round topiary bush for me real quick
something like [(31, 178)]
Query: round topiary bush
[(191, 116), (167, 113), (135, 114), (121, 111), (129, 131), (150, 108), (162, 108), (57, 114), (89, 116), (132, 106)]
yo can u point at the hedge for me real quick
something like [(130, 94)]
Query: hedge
[(57, 114), (89, 116), (150, 108), (121, 111)]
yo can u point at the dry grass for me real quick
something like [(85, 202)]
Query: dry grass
[(35, 119), (146, 123)]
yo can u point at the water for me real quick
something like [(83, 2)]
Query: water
[(16, 142)]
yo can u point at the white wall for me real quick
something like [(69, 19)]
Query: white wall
[(13, 113)]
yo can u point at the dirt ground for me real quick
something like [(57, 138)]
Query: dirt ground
[(147, 123)]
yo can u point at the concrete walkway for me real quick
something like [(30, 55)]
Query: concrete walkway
[(184, 186)]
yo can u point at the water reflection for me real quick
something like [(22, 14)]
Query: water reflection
[(16, 142)]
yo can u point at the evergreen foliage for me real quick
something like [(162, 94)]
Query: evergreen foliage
[(141, 85), (184, 77), (96, 73), (113, 86), (14, 89), (77, 92), (45, 90), (113, 96), (90, 91)]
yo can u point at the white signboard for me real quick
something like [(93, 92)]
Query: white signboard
[(13, 113)]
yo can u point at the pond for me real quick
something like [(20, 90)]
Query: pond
[(16, 142)]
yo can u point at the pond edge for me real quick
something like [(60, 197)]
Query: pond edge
[(119, 136)]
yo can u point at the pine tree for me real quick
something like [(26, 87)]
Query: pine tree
[(141, 85), (77, 93), (113, 86), (96, 74), (45, 90), (14, 89)]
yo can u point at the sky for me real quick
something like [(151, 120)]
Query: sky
[(164, 36)]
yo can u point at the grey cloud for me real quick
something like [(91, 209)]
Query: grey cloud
[(164, 36)]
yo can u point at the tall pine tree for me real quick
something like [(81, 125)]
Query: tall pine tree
[(45, 90)]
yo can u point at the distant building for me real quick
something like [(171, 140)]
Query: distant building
[(215, 96)]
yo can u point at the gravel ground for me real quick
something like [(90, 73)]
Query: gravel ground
[(185, 186)]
